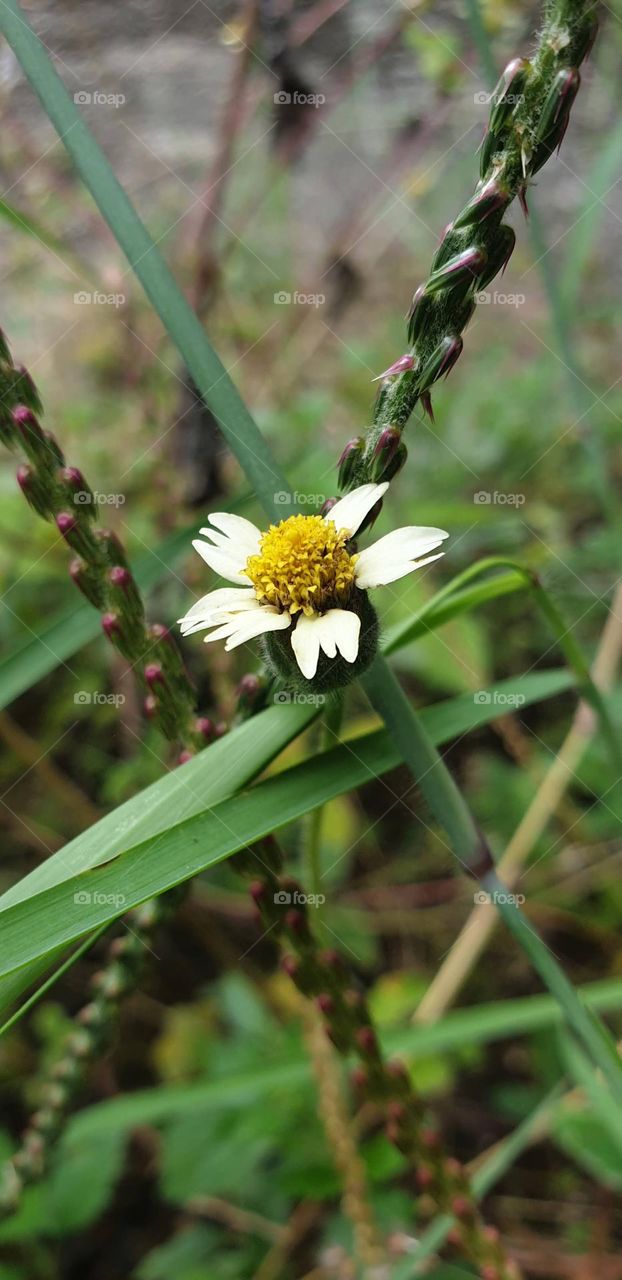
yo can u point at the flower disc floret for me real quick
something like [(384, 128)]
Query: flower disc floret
[(303, 566)]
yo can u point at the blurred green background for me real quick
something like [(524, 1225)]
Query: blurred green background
[(301, 232)]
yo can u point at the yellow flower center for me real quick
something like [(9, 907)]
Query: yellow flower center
[(302, 565)]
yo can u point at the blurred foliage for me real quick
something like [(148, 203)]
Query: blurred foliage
[(177, 1197)]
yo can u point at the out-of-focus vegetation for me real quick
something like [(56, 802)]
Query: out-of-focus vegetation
[(182, 1162)]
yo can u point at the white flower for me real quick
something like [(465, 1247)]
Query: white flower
[(299, 574)]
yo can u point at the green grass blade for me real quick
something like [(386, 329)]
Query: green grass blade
[(117, 857), (591, 1032)]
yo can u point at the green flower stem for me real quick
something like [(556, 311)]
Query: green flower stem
[(61, 494), (528, 118), (578, 392), (329, 731)]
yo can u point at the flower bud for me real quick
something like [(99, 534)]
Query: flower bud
[(78, 491), (441, 361), (490, 144), (553, 121), (80, 539), (347, 462), (488, 199), (35, 491), (29, 431), (204, 728), (507, 93), (250, 693), (110, 546), (420, 313), (154, 674), (499, 254), (88, 581), (385, 449), (463, 269)]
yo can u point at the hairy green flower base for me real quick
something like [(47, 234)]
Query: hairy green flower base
[(332, 673)]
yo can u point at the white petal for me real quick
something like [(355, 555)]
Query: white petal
[(306, 644), (350, 511), (390, 573), (239, 530), (246, 626), (338, 629), (221, 615), (229, 597), (395, 554), (229, 564), (341, 628)]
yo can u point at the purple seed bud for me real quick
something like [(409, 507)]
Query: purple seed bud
[(290, 965), (119, 576), (346, 465), (150, 705), (203, 727), (159, 632), (366, 1040), (153, 672), (325, 1003), (24, 478), (328, 506), (184, 757), (66, 523), (258, 890), (26, 422), (110, 625), (73, 476)]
